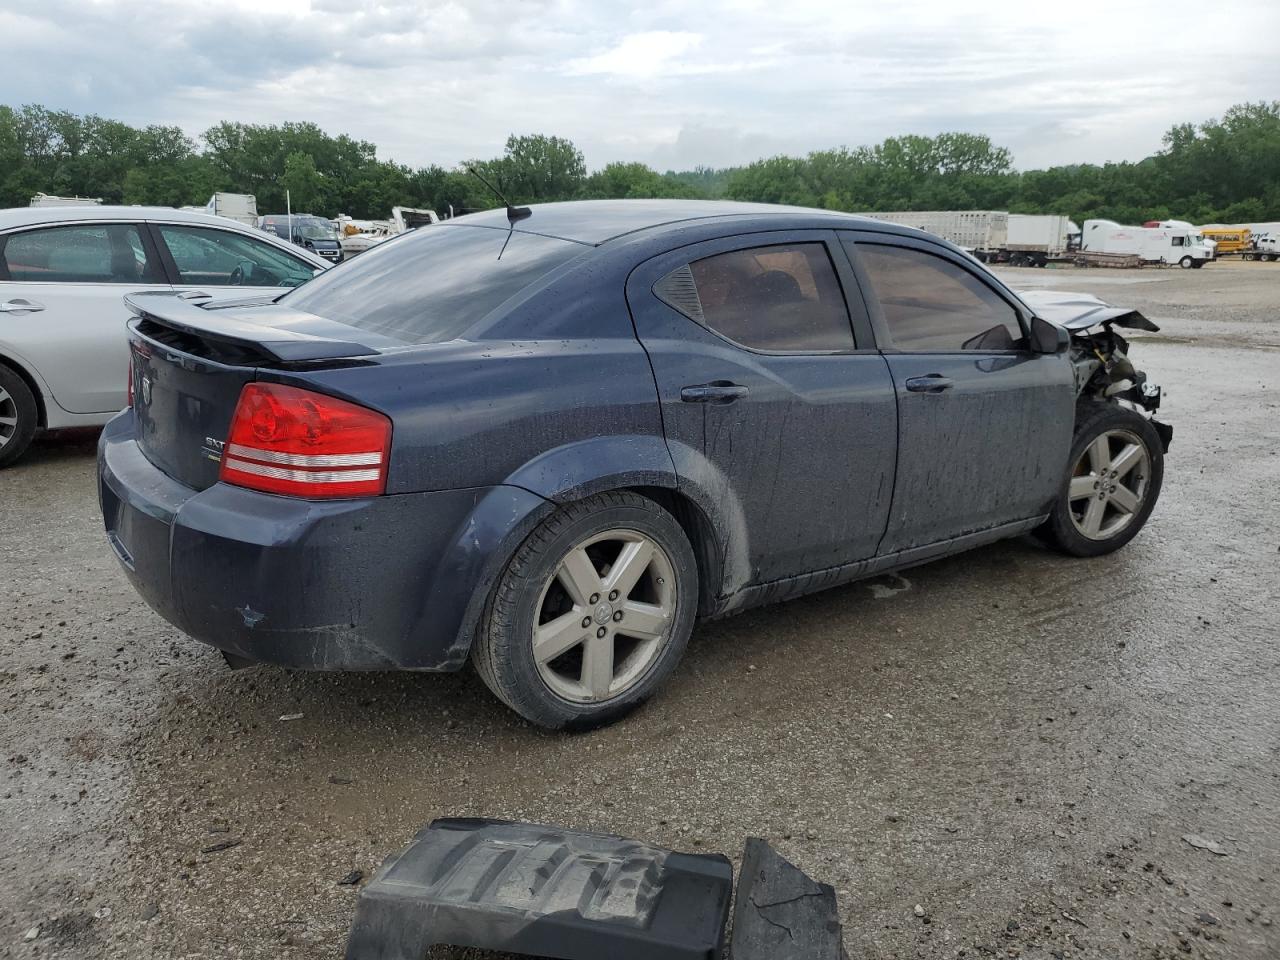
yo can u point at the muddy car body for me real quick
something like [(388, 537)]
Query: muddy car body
[(551, 444)]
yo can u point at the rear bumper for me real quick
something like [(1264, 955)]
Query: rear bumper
[(390, 582)]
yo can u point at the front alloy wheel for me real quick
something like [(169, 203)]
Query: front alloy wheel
[(1109, 484), (1117, 467)]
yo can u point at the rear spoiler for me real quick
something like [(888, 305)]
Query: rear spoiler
[(289, 336)]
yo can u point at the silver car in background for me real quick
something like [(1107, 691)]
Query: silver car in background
[(64, 272)]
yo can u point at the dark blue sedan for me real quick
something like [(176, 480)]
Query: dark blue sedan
[(549, 444)]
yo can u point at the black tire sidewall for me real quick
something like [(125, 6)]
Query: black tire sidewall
[(1094, 419), (28, 415), (510, 669)]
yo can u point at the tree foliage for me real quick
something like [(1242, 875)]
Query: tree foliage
[(1224, 170)]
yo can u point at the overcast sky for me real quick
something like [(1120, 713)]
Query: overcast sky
[(674, 84)]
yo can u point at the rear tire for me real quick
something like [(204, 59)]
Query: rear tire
[(1117, 467), (591, 615), (19, 416)]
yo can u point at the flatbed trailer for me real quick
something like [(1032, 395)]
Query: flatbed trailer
[(1091, 258)]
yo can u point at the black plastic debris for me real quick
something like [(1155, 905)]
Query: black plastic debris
[(781, 914), (544, 892)]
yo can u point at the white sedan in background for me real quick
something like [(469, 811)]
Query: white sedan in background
[(64, 272)]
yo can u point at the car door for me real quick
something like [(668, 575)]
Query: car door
[(227, 263), (984, 423), (61, 309), (765, 387)]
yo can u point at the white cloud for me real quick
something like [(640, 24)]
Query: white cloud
[(638, 55)]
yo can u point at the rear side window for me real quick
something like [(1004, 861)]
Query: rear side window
[(782, 298), (207, 257), (98, 253), (934, 306), (434, 283)]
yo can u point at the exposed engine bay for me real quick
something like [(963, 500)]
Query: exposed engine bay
[(1100, 354)]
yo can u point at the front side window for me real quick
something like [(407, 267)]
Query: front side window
[(783, 298), (96, 253), (932, 305), (206, 256)]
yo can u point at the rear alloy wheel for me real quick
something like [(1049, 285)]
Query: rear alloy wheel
[(592, 614), (18, 416), (1186, 263), (1117, 468)]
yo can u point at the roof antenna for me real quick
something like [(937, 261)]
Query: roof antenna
[(514, 214)]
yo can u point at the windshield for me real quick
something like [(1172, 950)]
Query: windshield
[(429, 286), (312, 230)]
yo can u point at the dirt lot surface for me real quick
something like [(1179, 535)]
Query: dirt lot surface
[(1018, 742)]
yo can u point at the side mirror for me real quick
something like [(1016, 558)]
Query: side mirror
[(1048, 337)]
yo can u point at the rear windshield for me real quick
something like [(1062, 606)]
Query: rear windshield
[(432, 284)]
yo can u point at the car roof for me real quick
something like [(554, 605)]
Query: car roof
[(598, 221), (34, 216)]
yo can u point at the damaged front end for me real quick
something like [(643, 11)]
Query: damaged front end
[(1100, 355)]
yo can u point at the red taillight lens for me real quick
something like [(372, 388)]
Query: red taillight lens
[(302, 444), (129, 390)]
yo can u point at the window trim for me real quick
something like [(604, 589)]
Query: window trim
[(881, 327), (656, 268), (170, 266), (144, 235)]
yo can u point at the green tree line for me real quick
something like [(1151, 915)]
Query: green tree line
[(1224, 170)]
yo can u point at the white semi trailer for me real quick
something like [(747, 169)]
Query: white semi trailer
[(995, 236), (1171, 242), (984, 233)]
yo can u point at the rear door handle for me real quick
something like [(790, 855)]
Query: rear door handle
[(931, 383), (717, 391), (21, 306)]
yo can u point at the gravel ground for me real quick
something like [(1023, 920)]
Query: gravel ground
[(1016, 741)]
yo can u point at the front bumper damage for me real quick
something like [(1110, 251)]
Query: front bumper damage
[(1100, 355)]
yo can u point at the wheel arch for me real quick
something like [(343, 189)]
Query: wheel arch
[(700, 531), (695, 493), (29, 378)]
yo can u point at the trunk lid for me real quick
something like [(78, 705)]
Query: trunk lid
[(190, 362)]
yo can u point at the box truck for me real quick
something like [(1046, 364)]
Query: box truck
[(1173, 241), (1035, 239), (242, 207)]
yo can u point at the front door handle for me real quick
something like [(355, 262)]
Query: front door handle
[(932, 383), (21, 306), (717, 391)]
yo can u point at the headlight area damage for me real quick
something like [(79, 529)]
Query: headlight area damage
[(1100, 355)]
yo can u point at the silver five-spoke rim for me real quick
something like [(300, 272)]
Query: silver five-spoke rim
[(604, 616), (8, 416), (1109, 484)]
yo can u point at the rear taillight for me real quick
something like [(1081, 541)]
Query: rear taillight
[(129, 389), (303, 444)]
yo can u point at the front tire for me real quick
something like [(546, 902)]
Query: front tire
[(1117, 468), (1186, 263), (19, 416), (591, 615)]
